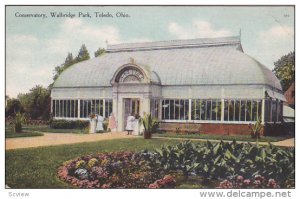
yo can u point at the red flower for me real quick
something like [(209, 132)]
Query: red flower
[(272, 183), (247, 182), (105, 186), (225, 185), (154, 186), (239, 178)]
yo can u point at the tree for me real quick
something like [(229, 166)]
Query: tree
[(69, 61), (13, 106), (83, 54), (36, 103), (285, 70), (99, 52)]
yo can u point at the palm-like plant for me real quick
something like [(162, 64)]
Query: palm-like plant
[(256, 128), (150, 125)]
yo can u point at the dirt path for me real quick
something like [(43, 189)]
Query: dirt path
[(50, 139), (288, 142)]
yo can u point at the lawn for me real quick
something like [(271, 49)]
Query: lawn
[(37, 167), (221, 137), (10, 134)]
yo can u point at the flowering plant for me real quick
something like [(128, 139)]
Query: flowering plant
[(257, 182), (114, 170)]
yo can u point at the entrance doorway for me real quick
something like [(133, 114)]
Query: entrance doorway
[(131, 105)]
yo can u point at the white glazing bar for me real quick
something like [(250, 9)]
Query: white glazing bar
[(63, 108), (205, 110), (233, 110), (78, 108), (240, 111), (190, 109), (222, 109), (257, 104), (251, 110), (104, 107), (53, 107), (200, 112), (169, 107), (263, 111)]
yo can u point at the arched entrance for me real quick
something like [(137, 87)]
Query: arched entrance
[(131, 92)]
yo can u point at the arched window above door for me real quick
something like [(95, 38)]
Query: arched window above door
[(130, 75)]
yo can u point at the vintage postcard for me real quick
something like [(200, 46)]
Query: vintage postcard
[(151, 97)]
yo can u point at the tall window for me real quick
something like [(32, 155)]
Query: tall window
[(175, 109), (273, 110), (154, 107), (206, 109), (69, 108), (65, 108), (108, 107), (242, 110)]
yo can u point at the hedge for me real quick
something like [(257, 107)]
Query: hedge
[(68, 124)]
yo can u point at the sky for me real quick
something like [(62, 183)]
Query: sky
[(35, 46)]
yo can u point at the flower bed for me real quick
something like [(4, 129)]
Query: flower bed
[(114, 170), (233, 165)]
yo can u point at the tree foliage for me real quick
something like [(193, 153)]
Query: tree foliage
[(99, 52), (69, 61), (36, 103), (83, 54), (13, 106), (285, 70)]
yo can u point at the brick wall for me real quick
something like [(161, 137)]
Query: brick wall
[(207, 128)]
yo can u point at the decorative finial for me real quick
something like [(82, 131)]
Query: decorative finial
[(131, 60)]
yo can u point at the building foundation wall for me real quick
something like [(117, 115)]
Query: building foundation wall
[(206, 128)]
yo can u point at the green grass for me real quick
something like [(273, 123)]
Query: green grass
[(10, 134), (221, 137), (37, 167)]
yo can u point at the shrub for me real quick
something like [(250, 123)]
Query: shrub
[(69, 124), (18, 121)]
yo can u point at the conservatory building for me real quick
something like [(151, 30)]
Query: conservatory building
[(200, 85)]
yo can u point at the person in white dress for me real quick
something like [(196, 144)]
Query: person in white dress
[(100, 120), (130, 124)]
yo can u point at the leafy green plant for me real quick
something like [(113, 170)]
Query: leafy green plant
[(18, 121), (256, 128), (213, 161), (150, 125)]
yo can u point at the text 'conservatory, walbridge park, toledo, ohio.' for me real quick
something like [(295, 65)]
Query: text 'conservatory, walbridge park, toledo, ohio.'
[(204, 85)]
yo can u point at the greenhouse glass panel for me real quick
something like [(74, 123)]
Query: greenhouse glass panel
[(243, 110)]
